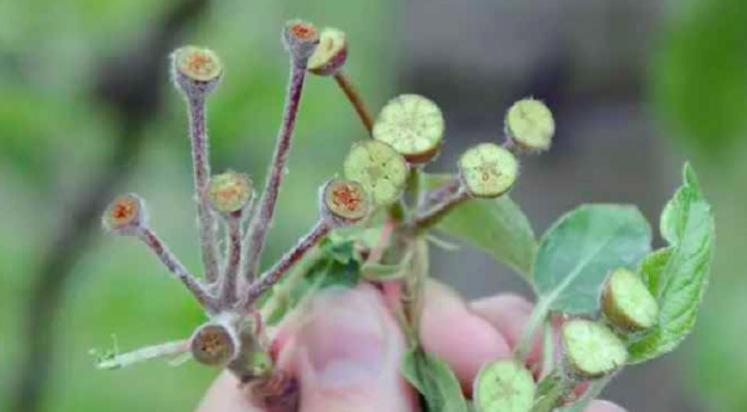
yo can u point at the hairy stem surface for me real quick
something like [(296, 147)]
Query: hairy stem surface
[(355, 99), (272, 276), (172, 263), (144, 354), (262, 219), (201, 172), (228, 282)]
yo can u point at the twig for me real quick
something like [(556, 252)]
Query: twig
[(172, 263), (592, 392), (262, 219), (432, 216), (144, 354), (228, 282), (201, 175), (272, 276), (355, 99), (439, 194)]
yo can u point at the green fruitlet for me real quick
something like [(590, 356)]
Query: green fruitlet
[(488, 170), (412, 125), (504, 386), (229, 192), (344, 201), (627, 303), (530, 125), (125, 214), (330, 54), (592, 350), (379, 169)]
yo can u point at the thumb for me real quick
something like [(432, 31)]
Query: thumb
[(345, 352)]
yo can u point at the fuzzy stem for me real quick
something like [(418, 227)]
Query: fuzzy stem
[(555, 387), (425, 220), (355, 99), (538, 316), (144, 354), (201, 171), (548, 349), (592, 392), (172, 263), (233, 260), (262, 219), (440, 194), (281, 267)]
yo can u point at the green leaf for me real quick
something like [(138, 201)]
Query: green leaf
[(579, 250), (652, 266), (678, 275), (496, 226), (433, 378)]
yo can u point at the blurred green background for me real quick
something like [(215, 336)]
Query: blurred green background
[(86, 111)]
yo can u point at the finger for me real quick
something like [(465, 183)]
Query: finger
[(604, 406), (509, 315), (346, 353), (225, 395), (451, 331)]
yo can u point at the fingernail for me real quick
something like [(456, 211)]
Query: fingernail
[(345, 342)]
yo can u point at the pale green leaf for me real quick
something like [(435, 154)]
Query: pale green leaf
[(496, 226), (433, 378), (678, 275), (579, 250)]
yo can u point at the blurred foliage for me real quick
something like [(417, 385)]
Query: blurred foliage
[(54, 137), (699, 85), (700, 74)]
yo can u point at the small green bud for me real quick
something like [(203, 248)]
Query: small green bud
[(488, 170), (214, 344), (379, 169), (412, 125), (125, 215), (230, 192), (196, 71), (504, 386), (331, 53), (592, 350), (627, 303), (300, 38), (530, 125), (344, 202)]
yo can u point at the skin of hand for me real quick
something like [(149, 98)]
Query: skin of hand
[(345, 349)]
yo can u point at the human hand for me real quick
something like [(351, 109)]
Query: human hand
[(345, 350)]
